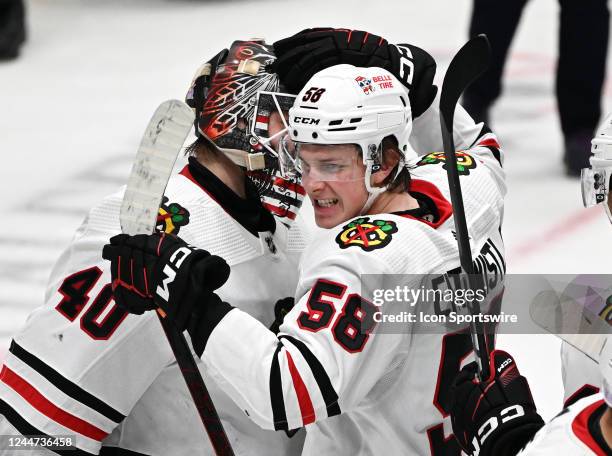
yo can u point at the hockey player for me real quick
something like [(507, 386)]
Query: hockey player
[(78, 355), (356, 389), (498, 416), (75, 369)]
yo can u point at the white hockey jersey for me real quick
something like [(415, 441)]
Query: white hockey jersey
[(82, 366), (574, 432), (581, 375), (366, 392)]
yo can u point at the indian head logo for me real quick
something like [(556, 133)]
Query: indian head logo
[(465, 162), (171, 217), (365, 234), (365, 84)]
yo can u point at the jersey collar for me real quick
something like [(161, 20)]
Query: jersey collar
[(432, 202)]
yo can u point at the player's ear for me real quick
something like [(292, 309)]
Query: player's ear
[(390, 159)]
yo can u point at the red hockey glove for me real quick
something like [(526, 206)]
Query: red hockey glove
[(495, 417)]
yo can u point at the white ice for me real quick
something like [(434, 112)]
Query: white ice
[(76, 102)]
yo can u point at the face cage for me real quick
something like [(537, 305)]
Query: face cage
[(270, 106), (596, 187), (281, 194)]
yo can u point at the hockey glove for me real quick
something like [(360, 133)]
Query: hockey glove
[(495, 417), (302, 55), (281, 308), (162, 271)]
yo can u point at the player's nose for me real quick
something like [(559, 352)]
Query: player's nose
[(311, 184)]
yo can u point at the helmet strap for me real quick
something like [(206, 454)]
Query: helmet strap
[(373, 192)]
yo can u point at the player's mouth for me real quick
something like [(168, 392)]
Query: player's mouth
[(325, 203)]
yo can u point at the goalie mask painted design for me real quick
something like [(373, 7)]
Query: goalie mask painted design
[(224, 95)]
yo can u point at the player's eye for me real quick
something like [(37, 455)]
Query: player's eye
[(332, 167)]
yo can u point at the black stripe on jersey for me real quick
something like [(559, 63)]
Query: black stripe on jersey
[(115, 451), (26, 428), (327, 390), (65, 385), (276, 394), (483, 131), (495, 152)]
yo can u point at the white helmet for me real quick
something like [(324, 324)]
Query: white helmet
[(605, 366), (596, 180), (344, 104)]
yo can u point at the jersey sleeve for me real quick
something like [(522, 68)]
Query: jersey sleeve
[(474, 138), (326, 357), (80, 363)]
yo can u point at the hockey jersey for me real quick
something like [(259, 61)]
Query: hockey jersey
[(358, 390), (574, 432), (581, 375), (82, 366)]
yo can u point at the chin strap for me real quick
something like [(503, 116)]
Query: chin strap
[(251, 162), (374, 192), (368, 204)]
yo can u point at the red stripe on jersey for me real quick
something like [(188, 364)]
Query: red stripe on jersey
[(581, 428), (47, 408), (279, 211), (445, 209), (582, 392), (489, 142), (306, 408)]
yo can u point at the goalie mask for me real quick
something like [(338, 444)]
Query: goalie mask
[(347, 105), (224, 95), (596, 181)]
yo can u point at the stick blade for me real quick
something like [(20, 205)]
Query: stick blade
[(155, 158), (469, 63)]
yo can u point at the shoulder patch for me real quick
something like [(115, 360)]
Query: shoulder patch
[(465, 162), (171, 217), (365, 234)]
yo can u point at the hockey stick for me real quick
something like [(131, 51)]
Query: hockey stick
[(471, 61), (160, 145)]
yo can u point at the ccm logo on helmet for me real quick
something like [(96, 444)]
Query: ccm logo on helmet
[(176, 259), (504, 364), (306, 120)]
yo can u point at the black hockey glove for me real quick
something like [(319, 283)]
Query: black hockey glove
[(302, 55), (496, 417), (162, 271), (281, 308)]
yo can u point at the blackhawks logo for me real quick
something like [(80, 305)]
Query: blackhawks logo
[(366, 234), (465, 162), (171, 217)]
